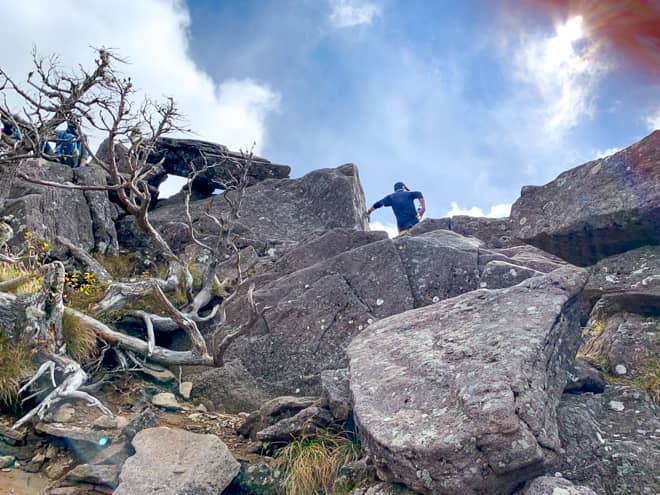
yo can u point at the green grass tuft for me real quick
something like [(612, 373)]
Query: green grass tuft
[(79, 339)]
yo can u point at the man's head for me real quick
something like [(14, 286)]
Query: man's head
[(399, 187)]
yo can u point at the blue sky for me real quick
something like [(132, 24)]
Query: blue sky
[(464, 100)]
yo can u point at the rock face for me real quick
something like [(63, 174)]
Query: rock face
[(635, 272), (460, 396), (176, 462), (178, 154), (48, 212), (598, 209), (611, 441), (325, 291), (273, 212), (495, 233)]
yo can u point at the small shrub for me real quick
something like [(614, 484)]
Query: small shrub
[(15, 365), (311, 463), (81, 289), (80, 340)]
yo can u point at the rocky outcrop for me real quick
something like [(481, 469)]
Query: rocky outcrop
[(318, 302), (604, 207), (610, 441), (274, 212), (460, 396), (177, 462), (493, 232), (86, 218), (177, 155)]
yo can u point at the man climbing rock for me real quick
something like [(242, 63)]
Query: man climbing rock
[(402, 201)]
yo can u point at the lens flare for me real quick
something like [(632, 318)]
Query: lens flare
[(627, 30)]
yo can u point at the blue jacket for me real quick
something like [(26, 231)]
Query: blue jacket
[(403, 204)]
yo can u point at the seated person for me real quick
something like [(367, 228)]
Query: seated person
[(68, 147), (10, 133)]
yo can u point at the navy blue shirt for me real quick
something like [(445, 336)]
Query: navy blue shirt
[(403, 204)]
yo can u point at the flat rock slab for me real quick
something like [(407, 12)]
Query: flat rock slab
[(459, 397), (556, 485), (177, 462), (598, 209)]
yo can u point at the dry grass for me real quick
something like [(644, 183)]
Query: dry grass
[(649, 380), (9, 271), (311, 463), (79, 339), (15, 365)]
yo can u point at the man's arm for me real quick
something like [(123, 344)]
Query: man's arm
[(422, 206), (375, 206)]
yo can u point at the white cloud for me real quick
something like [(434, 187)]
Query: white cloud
[(391, 230), (496, 211), (562, 79), (607, 152), (153, 36), (348, 13), (653, 121)]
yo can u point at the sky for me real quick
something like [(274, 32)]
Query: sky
[(465, 101)]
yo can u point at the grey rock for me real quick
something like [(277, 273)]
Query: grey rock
[(439, 264), (354, 474), (460, 396), (7, 461), (274, 411), (177, 462), (555, 485), (584, 378), (604, 207), (337, 393), (102, 211), (231, 388), (307, 422), (146, 419), (383, 489), (48, 212), (499, 274), (314, 313), (104, 475), (635, 271), (258, 479), (273, 211), (612, 451), (525, 255), (494, 232), (185, 389), (64, 414), (166, 400)]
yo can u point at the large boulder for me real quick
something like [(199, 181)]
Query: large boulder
[(494, 232), (604, 207), (273, 212), (610, 441), (556, 485), (177, 462), (439, 264), (315, 312), (460, 396)]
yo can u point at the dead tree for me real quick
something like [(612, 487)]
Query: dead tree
[(103, 101)]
